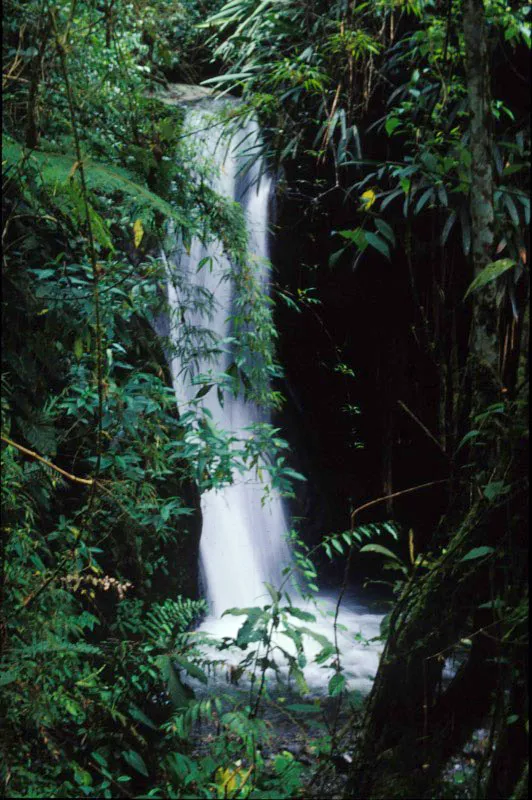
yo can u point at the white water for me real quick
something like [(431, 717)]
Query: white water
[(243, 539)]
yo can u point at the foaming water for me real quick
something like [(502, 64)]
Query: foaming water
[(243, 541), (357, 627)]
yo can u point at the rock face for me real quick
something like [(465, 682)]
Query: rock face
[(177, 93)]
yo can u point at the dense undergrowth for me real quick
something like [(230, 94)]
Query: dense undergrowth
[(102, 472)]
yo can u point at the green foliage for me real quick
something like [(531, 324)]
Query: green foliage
[(490, 273), (103, 682), (100, 506)]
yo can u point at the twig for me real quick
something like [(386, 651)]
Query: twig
[(395, 494), (34, 595), (346, 576), (37, 457), (423, 427), (61, 50)]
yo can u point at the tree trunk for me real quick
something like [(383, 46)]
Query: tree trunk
[(413, 723), (32, 128), (484, 340)]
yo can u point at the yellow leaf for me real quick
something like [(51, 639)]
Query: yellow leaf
[(229, 780), (368, 198), (75, 166), (138, 232), (411, 545)]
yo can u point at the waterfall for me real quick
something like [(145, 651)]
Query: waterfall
[(243, 538)]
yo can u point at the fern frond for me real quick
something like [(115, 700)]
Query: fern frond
[(56, 171), (165, 621)]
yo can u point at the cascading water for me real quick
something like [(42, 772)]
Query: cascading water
[(243, 538), (242, 543)]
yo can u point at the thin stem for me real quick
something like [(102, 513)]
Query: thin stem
[(60, 45), (37, 457)]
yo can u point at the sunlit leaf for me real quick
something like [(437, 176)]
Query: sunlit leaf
[(368, 198), (138, 232)]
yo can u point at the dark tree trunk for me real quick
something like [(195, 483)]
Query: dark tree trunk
[(484, 339), (412, 726), (32, 127)]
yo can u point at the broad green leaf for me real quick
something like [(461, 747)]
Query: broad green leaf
[(493, 604), (357, 236), (337, 545), (8, 677), (449, 222), (377, 548), (425, 197), (203, 391), (249, 631), (391, 196), (512, 210), (379, 244), (325, 653), (305, 616), (175, 688), (273, 592), (136, 761), (318, 637), (336, 685), (301, 683), (478, 552), (495, 489), (291, 473), (140, 716), (303, 708), (467, 438), (243, 612), (386, 230), (335, 257), (192, 669), (99, 759), (391, 124), (490, 273)]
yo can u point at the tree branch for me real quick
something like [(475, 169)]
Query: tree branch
[(37, 457)]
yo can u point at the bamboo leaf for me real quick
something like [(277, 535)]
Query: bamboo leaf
[(391, 124), (203, 391), (138, 232), (379, 244), (466, 231), (451, 219), (425, 197), (136, 761), (490, 273), (386, 230), (377, 548), (478, 552), (305, 616), (336, 685)]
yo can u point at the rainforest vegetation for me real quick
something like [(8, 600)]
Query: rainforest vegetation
[(390, 351)]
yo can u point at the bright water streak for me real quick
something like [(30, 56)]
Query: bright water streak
[(243, 539)]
